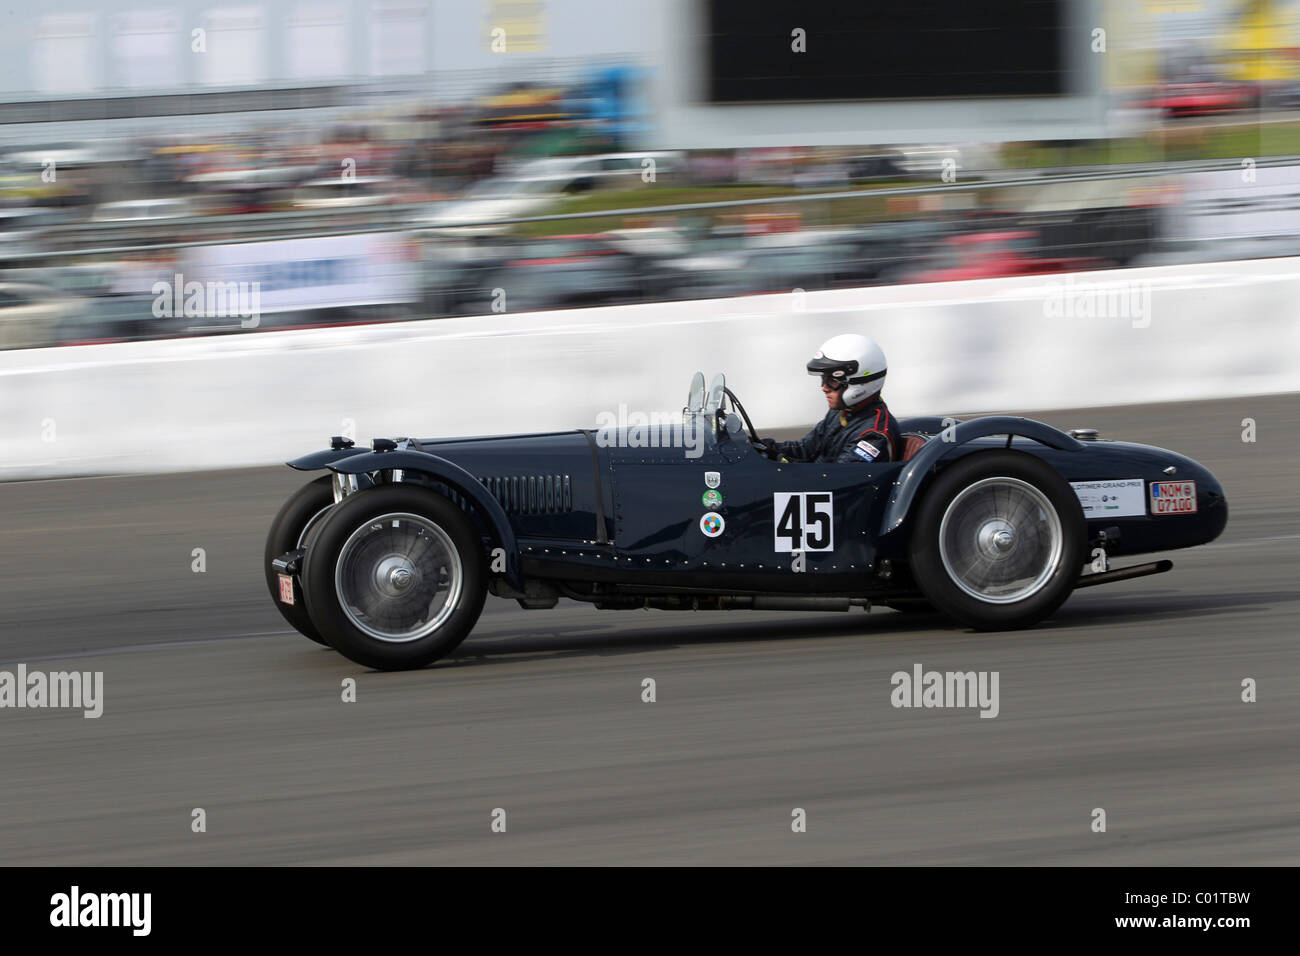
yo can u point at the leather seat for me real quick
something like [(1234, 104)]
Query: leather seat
[(912, 443)]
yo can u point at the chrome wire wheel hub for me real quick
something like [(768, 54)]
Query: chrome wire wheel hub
[(394, 575), (996, 538), (1000, 540), (398, 577)]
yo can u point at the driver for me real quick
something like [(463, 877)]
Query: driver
[(858, 426)]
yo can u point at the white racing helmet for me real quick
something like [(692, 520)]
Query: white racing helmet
[(854, 360)]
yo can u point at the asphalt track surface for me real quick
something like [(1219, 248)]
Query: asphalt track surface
[(1128, 700)]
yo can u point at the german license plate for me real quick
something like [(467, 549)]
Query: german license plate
[(1173, 497)]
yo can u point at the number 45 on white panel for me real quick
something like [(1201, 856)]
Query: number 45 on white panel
[(804, 521)]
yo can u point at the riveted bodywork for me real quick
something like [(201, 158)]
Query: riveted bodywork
[(597, 514), (990, 521)]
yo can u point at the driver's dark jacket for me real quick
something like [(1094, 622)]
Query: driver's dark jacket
[(866, 433)]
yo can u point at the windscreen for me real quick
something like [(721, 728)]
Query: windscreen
[(695, 397), (715, 394)]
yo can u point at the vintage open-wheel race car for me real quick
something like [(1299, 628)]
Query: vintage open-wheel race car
[(991, 521)]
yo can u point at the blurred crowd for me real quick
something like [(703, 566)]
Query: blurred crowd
[(413, 211)]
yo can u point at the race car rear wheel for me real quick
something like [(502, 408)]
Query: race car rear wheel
[(297, 519), (395, 577), (999, 541)]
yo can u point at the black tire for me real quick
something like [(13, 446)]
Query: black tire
[(1009, 515), (286, 534), (379, 621)]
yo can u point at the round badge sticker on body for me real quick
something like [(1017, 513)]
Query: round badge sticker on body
[(711, 499), (712, 524)]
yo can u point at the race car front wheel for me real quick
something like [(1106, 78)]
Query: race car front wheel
[(299, 517), (395, 577), (999, 540)]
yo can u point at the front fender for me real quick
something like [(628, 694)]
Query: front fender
[(914, 472), (451, 474), (314, 461)]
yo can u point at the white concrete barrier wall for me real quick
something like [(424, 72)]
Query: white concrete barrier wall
[(256, 398)]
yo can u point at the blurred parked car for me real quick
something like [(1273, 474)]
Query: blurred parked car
[(809, 259), (141, 210), (648, 241), (248, 191), (880, 250), (113, 318), (338, 193), (455, 274), (567, 271), (530, 187), (879, 165), (1200, 95), (474, 214), (583, 173), (20, 231), (991, 255), (1220, 249), (29, 314)]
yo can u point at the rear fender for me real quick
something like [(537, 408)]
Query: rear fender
[(916, 471)]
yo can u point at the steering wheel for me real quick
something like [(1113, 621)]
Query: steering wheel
[(749, 426)]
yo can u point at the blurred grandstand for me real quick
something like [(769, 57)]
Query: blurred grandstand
[(399, 189)]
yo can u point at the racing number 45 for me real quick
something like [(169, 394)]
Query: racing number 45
[(804, 521)]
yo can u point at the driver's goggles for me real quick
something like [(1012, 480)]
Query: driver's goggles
[(829, 380)]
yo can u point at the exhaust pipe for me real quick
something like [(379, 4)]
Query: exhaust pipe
[(713, 602), (778, 603), (1123, 574)]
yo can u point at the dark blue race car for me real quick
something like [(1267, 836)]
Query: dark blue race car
[(991, 521)]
